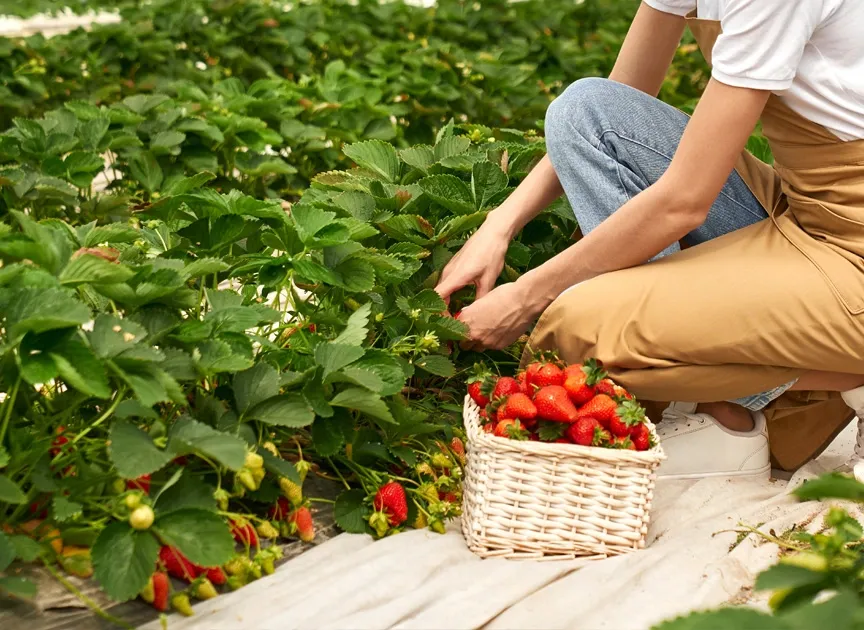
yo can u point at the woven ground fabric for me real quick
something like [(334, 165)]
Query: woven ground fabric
[(420, 580), (527, 499)]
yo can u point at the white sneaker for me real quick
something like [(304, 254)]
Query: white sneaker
[(855, 399), (697, 446)]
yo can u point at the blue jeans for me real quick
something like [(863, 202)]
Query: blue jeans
[(608, 142)]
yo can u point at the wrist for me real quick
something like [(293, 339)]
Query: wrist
[(503, 222), (538, 292)]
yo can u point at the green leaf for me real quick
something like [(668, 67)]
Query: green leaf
[(436, 364), (386, 367), (362, 377), (357, 275), (217, 356), (110, 233), (449, 191), (190, 436), (837, 613), (146, 170), (123, 560), (289, 410), (419, 156), (787, 576), (328, 434), (255, 385), (334, 356), (91, 269), (80, 368), (167, 141), (356, 330), (63, 509), (830, 486), (112, 335), (349, 511), (19, 587), (257, 165), (188, 184), (459, 225), (487, 179), (7, 552), (10, 492), (313, 272), (133, 451), (204, 267), (26, 548), (376, 156), (313, 392), (93, 131), (40, 309), (725, 619), (364, 401), (450, 147), (200, 535), (279, 467), (190, 491)]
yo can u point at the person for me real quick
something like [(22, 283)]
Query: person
[(704, 276)]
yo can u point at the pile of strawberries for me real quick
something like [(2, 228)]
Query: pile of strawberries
[(553, 402)]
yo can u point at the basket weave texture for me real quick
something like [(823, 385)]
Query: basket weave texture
[(550, 501)]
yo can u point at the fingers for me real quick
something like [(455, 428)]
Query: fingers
[(449, 285), (483, 286)]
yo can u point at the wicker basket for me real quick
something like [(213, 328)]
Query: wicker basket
[(553, 501)]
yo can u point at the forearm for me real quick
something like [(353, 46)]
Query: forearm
[(648, 50), (540, 188), (641, 229)]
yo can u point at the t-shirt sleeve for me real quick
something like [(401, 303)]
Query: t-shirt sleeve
[(676, 7), (763, 41)]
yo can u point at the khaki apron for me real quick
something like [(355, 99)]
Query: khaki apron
[(748, 311)]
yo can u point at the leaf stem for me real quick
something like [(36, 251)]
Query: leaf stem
[(7, 410), (103, 417), (92, 605)]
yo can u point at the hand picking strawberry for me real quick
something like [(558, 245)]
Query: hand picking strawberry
[(585, 405)]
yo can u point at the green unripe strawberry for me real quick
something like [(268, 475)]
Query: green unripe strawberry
[(132, 500), (180, 602), (253, 461), (142, 517)]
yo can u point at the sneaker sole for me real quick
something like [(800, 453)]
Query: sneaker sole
[(741, 473)]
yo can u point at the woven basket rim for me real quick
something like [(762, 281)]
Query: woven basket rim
[(609, 455)]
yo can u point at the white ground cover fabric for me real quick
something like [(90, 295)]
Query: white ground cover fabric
[(422, 580), (50, 25)]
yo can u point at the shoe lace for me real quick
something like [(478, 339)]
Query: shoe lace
[(674, 421)]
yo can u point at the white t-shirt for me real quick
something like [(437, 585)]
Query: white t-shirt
[(808, 52)]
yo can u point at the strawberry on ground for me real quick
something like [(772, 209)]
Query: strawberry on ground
[(156, 591), (302, 520), (554, 404), (177, 564), (142, 483), (216, 575), (510, 428), (457, 446), (280, 510), (244, 533), (391, 500), (517, 406)]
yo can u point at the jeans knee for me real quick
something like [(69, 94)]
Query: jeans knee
[(579, 109)]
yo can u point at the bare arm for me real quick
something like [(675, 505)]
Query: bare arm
[(642, 63), (648, 50), (651, 221)]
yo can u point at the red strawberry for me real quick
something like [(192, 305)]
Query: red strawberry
[(548, 374), (157, 590), (517, 406), (178, 565), (641, 437), (484, 414), (142, 484), (561, 441), (628, 415), (553, 404), (522, 378), (58, 442), (606, 387), (601, 407), (216, 575), (578, 388), (620, 392), (529, 423), (584, 431), (279, 510), (603, 437), (391, 500), (505, 386), (622, 442), (571, 370), (302, 519), (530, 373), (244, 533), (457, 446), (510, 428), (533, 436), (489, 427), (476, 395)]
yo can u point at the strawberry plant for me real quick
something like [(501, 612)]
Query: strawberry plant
[(817, 582)]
